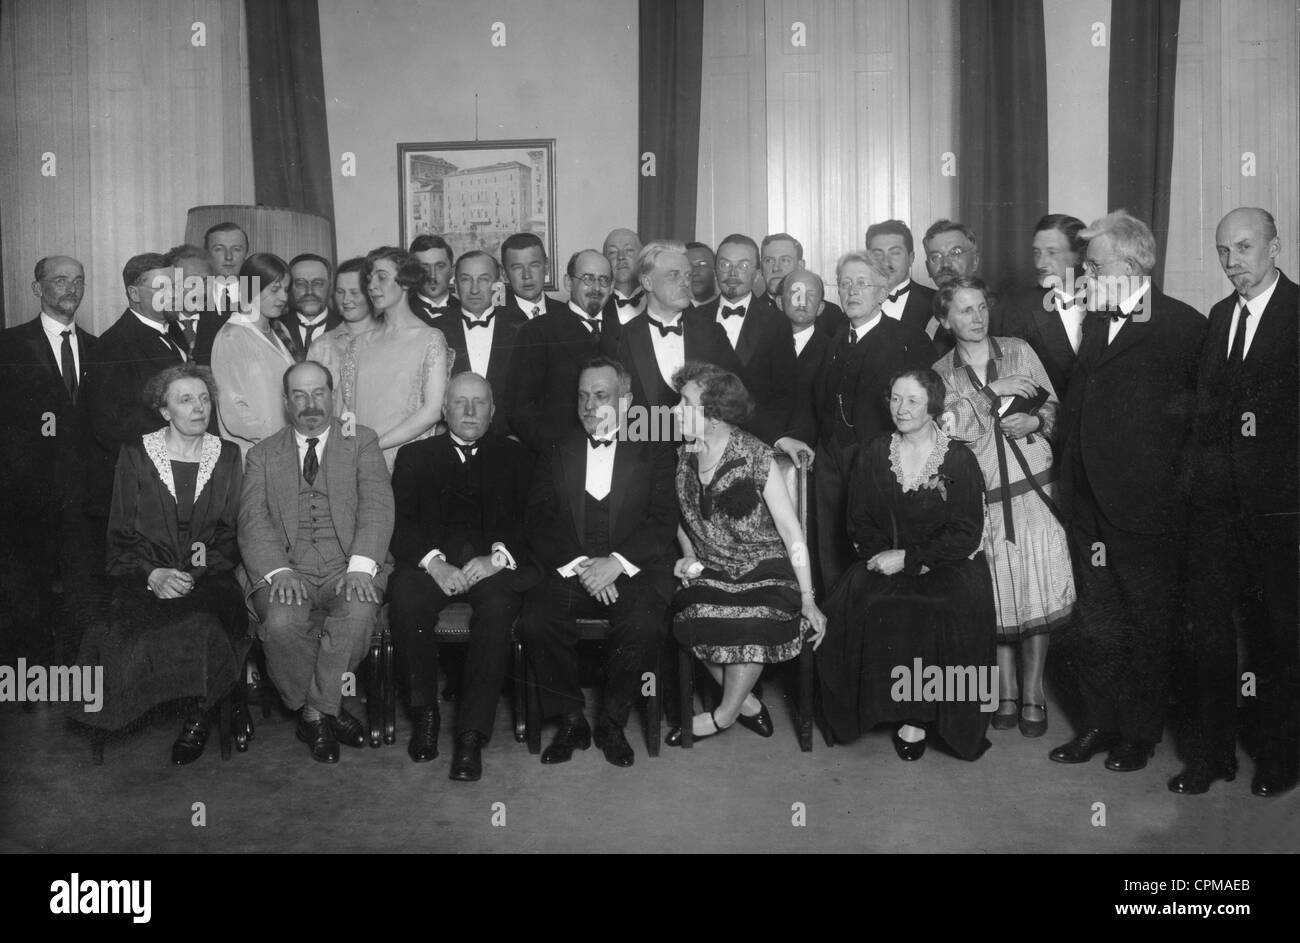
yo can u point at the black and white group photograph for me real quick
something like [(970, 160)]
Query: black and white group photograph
[(652, 426)]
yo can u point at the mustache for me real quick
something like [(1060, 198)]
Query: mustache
[(311, 411)]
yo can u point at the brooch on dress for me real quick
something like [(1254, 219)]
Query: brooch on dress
[(938, 483)]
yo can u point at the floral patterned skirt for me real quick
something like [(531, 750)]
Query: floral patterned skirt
[(751, 618)]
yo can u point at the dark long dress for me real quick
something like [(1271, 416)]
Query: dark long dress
[(157, 650), (744, 607), (944, 617)]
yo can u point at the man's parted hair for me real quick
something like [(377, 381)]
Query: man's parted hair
[(224, 227), (892, 227), (652, 250), (572, 268), (739, 239), (722, 396), (155, 391), (520, 242), (865, 259), (603, 363), (431, 241), (1068, 226), (186, 250), (329, 377), (1132, 239), (778, 237), (312, 257), (479, 254), (138, 265), (701, 245), (940, 226)]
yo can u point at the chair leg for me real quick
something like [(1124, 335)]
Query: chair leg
[(806, 699), (223, 721), (97, 738), (390, 690), (534, 708), (686, 681), (264, 686), (375, 691), (654, 713), (520, 693)]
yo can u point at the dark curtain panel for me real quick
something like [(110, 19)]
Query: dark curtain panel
[(292, 166), (1002, 128), (672, 47), (1143, 54)]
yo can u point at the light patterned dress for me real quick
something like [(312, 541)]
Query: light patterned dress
[(1032, 581), (337, 351), (388, 373)]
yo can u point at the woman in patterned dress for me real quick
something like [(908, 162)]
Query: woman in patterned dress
[(746, 581), (402, 365), (336, 350), (1024, 543)]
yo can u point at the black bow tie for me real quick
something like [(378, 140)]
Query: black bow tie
[(635, 299), (470, 323), (466, 451), (666, 329), (437, 309), (598, 443), (900, 293), (738, 311)]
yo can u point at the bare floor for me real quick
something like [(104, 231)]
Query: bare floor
[(733, 792)]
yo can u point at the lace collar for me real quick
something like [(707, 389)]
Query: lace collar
[(155, 446), (928, 471)]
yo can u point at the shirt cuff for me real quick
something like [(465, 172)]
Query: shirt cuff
[(359, 564), (429, 557), (275, 571), (501, 556), (570, 568), (628, 568)]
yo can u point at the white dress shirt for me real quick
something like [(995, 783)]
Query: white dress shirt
[(589, 321), (1071, 313), (894, 309), (1257, 306), (733, 325), (162, 333), (1127, 306), (54, 334), (862, 330), (440, 303), (670, 349), (357, 563), (600, 478), (802, 337), (478, 341), (500, 555), (627, 312), (527, 306), (308, 336)]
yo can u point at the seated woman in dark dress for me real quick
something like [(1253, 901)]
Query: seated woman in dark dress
[(746, 582), (176, 614), (911, 636)]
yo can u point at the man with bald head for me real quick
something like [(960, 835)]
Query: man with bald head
[(459, 538), (781, 254), (42, 368), (551, 349), (1243, 491), (622, 247)]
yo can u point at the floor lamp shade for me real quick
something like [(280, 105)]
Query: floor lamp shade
[(285, 232)]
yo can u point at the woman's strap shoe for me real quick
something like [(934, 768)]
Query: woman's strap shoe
[(189, 745), (760, 723), (1033, 728), (1005, 721)]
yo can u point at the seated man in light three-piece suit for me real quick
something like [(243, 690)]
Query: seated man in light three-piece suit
[(315, 519)]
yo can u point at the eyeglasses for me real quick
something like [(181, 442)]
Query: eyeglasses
[(62, 282), (701, 264), (591, 281), (861, 284), (726, 266), (953, 255)]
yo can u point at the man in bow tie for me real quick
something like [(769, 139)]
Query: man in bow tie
[(622, 247), (434, 298), (704, 284), (890, 244), (601, 522), (310, 312), (483, 331), (1243, 488), (523, 257), (459, 536), (1128, 414), (551, 351)]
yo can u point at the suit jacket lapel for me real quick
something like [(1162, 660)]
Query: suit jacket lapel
[(338, 467), (643, 356), (750, 331), (1129, 335), (453, 328), (1053, 333), (620, 481), (574, 459), (1268, 339), (42, 353), (284, 482)]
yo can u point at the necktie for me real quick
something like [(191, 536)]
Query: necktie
[(635, 299), (175, 339), (470, 323), (536, 311), (666, 329), (598, 443), (69, 365), (308, 332), (900, 293), (593, 325), (466, 451), (853, 337), (1238, 352), (189, 330), (310, 464), (738, 311)]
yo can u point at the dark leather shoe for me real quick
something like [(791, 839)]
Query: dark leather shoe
[(1083, 747), (574, 734), (1002, 721), (1032, 728), (674, 738), (1273, 779), (1199, 774), (347, 729), (241, 728), (467, 764), (614, 745), (1129, 757), (908, 751), (760, 723), (424, 737), (319, 739), (189, 745)]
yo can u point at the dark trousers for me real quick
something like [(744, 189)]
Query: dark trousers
[(636, 637), (1229, 568), (415, 600), (832, 471), (1129, 605)]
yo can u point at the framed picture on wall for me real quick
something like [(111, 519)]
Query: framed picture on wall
[(476, 193)]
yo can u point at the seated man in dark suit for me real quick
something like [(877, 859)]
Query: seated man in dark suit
[(42, 368), (551, 351), (459, 536), (1243, 486), (602, 521), (758, 333), (199, 317), (482, 333), (526, 267), (315, 521), (781, 254), (890, 244), (434, 298), (849, 397)]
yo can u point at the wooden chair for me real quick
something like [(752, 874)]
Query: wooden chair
[(796, 479)]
